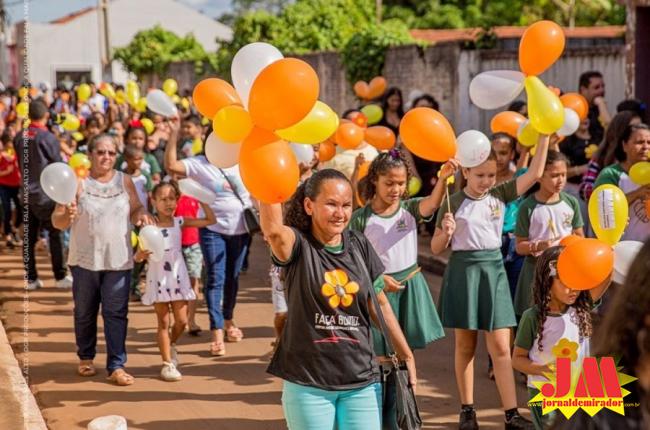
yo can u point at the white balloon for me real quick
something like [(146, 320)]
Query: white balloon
[(571, 123), (109, 422), (159, 102), (192, 188), (496, 88), (304, 152), (247, 64), (472, 148), (59, 183), (220, 153), (624, 254), (151, 239)]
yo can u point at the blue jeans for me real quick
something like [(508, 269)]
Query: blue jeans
[(223, 256), (111, 290), (309, 408)]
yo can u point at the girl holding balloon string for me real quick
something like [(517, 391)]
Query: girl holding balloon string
[(168, 283), (545, 217), (475, 294)]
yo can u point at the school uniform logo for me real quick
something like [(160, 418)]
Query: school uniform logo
[(495, 210), (566, 220), (401, 225), (338, 289)]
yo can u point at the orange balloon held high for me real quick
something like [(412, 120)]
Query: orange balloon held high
[(212, 94), (586, 263), (380, 137), (362, 90), (541, 45), (283, 94), (326, 151), (363, 170), (376, 87), (349, 135), (577, 102), (507, 122), (269, 171), (428, 134)]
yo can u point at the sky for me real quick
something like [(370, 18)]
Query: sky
[(48, 10)]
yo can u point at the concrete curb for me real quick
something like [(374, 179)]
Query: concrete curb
[(18, 408)]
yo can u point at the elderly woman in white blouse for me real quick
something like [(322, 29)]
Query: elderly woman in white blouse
[(101, 257)]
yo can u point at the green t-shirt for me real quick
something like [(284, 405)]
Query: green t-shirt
[(546, 221), (149, 165)]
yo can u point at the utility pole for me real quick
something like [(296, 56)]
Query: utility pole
[(3, 44), (105, 41)]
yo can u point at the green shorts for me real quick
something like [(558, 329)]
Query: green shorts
[(193, 260)]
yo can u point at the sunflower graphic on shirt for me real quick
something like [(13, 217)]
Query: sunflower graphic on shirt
[(338, 289)]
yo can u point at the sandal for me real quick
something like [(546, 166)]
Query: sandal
[(121, 378), (194, 330), (217, 349), (86, 369), (234, 334)]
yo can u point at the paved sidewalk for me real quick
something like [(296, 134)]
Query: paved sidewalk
[(232, 392)]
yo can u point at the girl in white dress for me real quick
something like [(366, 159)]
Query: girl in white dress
[(168, 284)]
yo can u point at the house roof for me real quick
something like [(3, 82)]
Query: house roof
[(506, 32), (73, 15)]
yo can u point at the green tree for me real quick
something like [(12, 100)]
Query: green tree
[(152, 50)]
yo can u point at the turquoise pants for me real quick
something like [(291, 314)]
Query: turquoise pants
[(309, 408)]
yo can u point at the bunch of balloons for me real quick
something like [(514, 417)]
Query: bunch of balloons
[(80, 164), (372, 90), (350, 134)]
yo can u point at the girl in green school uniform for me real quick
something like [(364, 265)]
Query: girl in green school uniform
[(475, 294), (545, 217), (390, 222)]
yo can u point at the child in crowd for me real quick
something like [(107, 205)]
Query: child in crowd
[(475, 293), (191, 131), (138, 136), (558, 325), (168, 283), (390, 222), (10, 182), (134, 157), (545, 217)]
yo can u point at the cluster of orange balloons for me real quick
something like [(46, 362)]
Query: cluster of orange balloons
[(370, 90), (350, 134)]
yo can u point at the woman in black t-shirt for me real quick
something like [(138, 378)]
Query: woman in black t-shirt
[(325, 353)]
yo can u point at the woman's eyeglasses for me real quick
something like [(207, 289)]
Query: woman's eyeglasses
[(101, 152)]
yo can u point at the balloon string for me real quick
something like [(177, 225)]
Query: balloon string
[(447, 194)]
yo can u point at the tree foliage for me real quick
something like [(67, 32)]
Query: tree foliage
[(152, 50)]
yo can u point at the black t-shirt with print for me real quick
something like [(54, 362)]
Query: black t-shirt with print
[(326, 342)]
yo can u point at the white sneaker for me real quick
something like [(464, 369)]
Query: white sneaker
[(65, 283), (174, 354), (169, 372), (35, 285)]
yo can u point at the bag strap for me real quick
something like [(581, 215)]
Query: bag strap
[(234, 188), (375, 302)]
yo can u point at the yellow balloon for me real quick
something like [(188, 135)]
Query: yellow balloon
[(205, 121), (533, 151), (141, 105), (414, 186), (185, 103), (70, 122), (132, 93), (640, 173), (134, 239), (591, 150), (319, 124), (22, 109), (197, 146), (608, 212), (107, 90), (79, 160), (527, 135), (120, 97), (23, 92), (170, 87), (175, 99), (83, 92), (77, 136), (373, 112), (545, 109), (148, 125), (232, 124)]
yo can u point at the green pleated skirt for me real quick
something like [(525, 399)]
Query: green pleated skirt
[(414, 309), (524, 293), (475, 293)]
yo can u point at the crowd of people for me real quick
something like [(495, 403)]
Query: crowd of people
[(344, 242)]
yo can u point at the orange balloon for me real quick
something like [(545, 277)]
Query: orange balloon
[(359, 119), (568, 240), (283, 94), (507, 122), (555, 90), (349, 135), (361, 89), (269, 170), (577, 102), (326, 151), (585, 264), (541, 45), (428, 134), (380, 137), (363, 170), (212, 94), (376, 87), (647, 208), (257, 138)]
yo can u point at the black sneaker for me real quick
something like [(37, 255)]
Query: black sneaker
[(517, 422), (467, 420)]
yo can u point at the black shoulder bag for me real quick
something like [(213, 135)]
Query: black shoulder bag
[(251, 216), (408, 415)]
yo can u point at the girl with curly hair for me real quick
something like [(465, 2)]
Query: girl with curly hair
[(558, 325)]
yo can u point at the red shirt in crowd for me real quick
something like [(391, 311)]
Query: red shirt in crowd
[(189, 207), (13, 178)]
